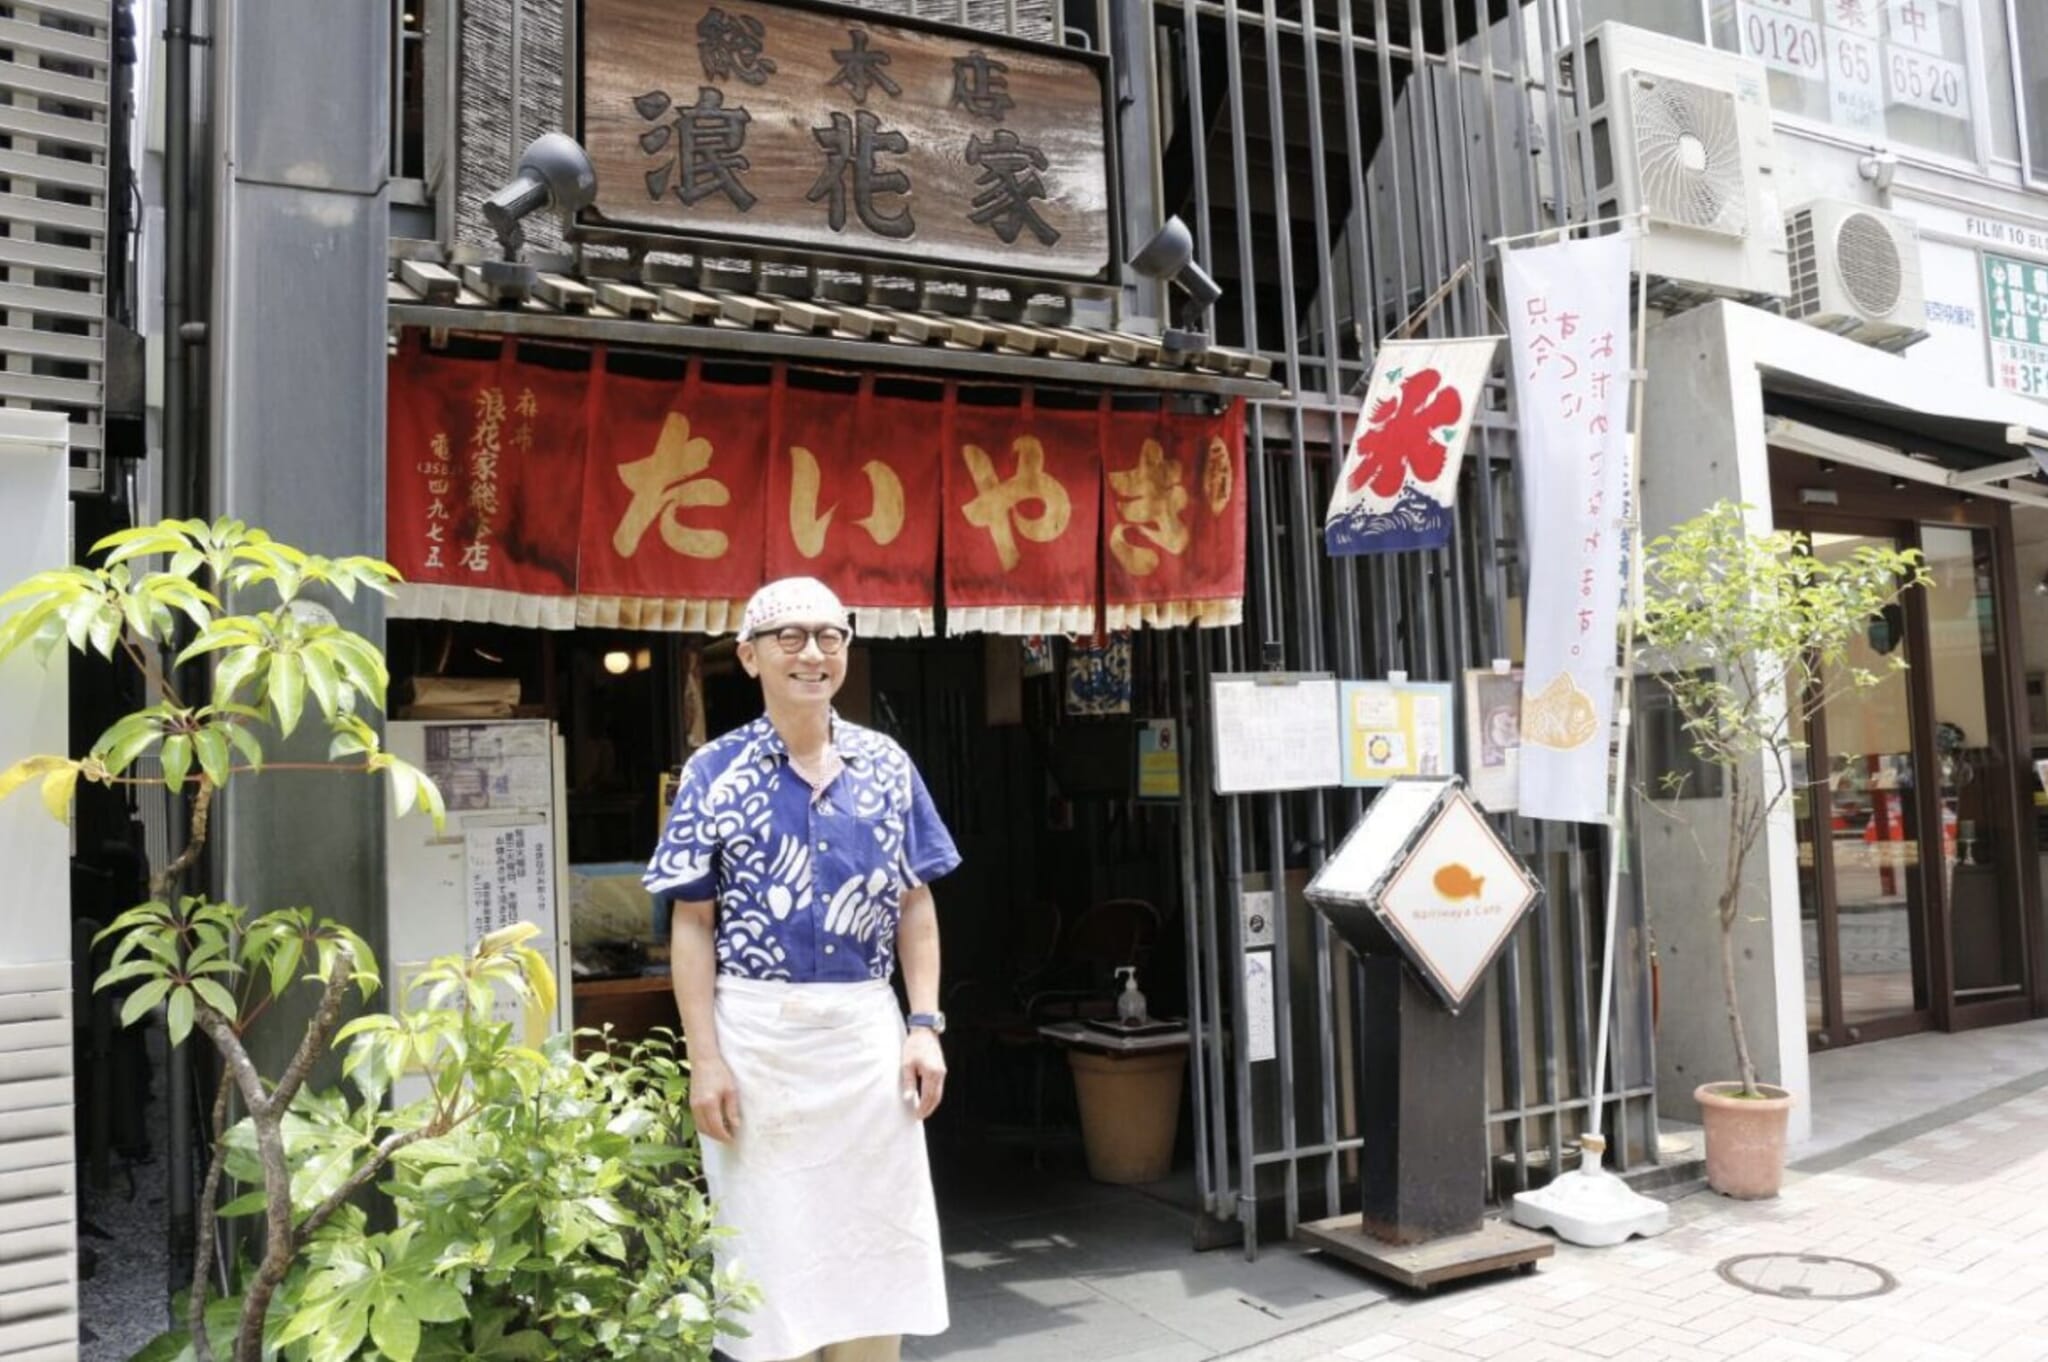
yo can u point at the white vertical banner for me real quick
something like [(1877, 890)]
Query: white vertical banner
[(1570, 349)]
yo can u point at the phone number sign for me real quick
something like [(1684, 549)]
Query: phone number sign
[(2016, 303)]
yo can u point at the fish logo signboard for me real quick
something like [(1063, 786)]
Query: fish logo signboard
[(1399, 484), (1424, 873)]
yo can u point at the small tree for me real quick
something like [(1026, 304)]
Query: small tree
[(1750, 635), (548, 1203), (209, 965)]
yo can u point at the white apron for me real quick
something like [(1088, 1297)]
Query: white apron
[(826, 1190)]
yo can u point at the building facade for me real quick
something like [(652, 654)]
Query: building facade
[(1885, 389), (1344, 169), (1336, 167)]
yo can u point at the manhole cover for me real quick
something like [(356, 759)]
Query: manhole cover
[(1806, 1276)]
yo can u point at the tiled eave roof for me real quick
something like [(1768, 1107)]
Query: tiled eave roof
[(646, 311)]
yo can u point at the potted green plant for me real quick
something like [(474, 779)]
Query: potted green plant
[(1750, 634), (603, 1254)]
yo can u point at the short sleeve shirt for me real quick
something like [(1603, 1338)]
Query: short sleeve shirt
[(808, 887)]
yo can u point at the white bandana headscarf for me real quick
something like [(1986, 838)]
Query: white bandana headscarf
[(793, 600)]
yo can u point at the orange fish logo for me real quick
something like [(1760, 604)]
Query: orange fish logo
[(1455, 881)]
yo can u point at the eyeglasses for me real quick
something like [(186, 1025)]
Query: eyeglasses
[(830, 638)]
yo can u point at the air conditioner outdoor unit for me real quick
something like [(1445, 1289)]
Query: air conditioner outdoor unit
[(1856, 271), (1682, 133)]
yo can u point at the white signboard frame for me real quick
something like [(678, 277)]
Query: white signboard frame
[(432, 876), (1275, 731)]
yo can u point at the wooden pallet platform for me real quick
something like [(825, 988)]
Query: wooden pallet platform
[(1495, 1247)]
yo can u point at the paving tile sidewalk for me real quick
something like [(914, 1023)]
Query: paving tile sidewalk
[(1956, 1213)]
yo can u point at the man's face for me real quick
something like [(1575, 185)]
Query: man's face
[(806, 676)]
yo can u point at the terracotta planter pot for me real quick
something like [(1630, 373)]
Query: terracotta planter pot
[(1745, 1139)]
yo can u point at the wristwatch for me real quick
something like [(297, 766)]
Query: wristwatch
[(935, 1022)]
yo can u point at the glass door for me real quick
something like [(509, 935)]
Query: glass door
[(1866, 844), (1909, 810), (1976, 771)]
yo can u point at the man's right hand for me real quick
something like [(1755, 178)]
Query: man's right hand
[(714, 1100)]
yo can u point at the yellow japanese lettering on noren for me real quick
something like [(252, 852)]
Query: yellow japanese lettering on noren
[(808, 525), (1219, 476), (1151, 501), (995, 504), (666, 483)]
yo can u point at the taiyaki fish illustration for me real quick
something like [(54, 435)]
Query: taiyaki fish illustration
[(1560, 715), (1456, 881)]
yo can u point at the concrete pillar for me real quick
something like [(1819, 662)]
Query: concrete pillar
[(298, 348), (1703, 441)]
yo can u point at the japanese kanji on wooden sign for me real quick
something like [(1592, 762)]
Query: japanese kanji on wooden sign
[(569, 492), (798, 124)]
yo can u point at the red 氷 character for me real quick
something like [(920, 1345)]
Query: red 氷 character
[(1403, 436)]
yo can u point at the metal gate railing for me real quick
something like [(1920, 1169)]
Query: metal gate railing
[(1338, 161)]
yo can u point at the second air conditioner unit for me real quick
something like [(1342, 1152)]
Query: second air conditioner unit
[(1681, 134), (1856, 271)]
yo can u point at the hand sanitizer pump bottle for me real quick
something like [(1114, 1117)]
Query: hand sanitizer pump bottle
[(1130, 1004)]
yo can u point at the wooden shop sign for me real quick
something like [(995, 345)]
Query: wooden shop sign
[(826, 128)]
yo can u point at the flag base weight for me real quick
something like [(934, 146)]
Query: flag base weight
[(1591, 1207)]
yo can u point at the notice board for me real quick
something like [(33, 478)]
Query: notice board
[(1276, 731)]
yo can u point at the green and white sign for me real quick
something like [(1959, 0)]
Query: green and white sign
[(2016, 306)]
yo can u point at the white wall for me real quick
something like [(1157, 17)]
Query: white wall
[(34, 847), (1959, 211), (38, 1215)]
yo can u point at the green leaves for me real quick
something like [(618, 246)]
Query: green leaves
[(237, 557), (199, 957), (92, 608), (180, 1014), (1730, 612), (550, 1210), (184, 958), (58, 774), (280, 659), (411, 788), (383, 1287), (74, 603), (269, 665), (287, 690)]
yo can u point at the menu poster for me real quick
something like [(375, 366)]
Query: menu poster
[(1261, 1042), (1394, 729), (1158, 759), (486, 766), (508, 878), (1276, 731), (1493, 737)]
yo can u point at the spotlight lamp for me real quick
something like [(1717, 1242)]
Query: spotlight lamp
[(554, 171), (1170, 257)]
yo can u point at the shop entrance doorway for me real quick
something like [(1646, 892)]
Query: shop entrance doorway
[(1073, 865), (1910, 796)]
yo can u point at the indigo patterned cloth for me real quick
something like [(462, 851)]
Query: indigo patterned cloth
[(809, 888)]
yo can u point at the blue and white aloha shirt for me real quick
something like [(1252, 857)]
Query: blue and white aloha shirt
[(809, 886)]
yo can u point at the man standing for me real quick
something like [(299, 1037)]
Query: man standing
[(796, 863)]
